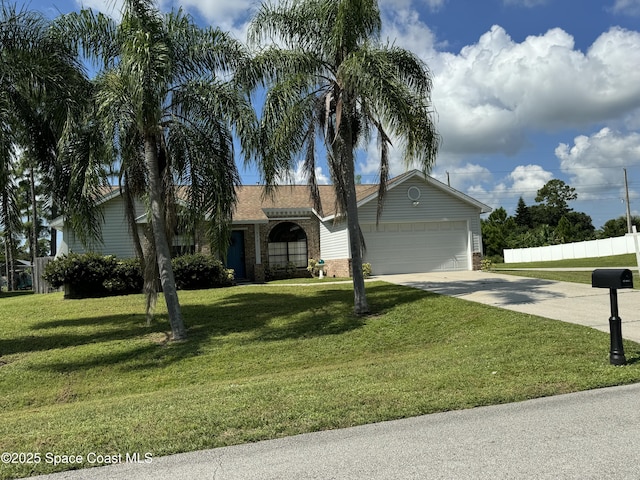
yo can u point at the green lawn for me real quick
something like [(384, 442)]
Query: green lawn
[(309, 280), (80, 376), (616, 261), (626, 260)]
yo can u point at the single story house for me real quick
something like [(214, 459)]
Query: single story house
[(425, 226)]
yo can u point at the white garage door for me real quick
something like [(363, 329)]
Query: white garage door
[(417, 247)]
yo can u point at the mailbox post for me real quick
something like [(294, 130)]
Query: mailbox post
[(613, 279)]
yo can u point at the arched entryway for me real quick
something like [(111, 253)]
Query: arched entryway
[(288, 245)]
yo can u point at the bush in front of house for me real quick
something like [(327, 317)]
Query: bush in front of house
[(366, 270), (282, 272), (94, 275), (314, 266), (85, 275), (198, 271), (126, 277)]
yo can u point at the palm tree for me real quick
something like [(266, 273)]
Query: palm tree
[(38, 79), (164, 102), (9, 211), (329, 77)]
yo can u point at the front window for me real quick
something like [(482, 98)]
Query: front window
[(288, 243)]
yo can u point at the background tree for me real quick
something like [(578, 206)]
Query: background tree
[(30, 197), (554, 198), (162, 105), (330, 78), (523, 215), (549, 222), (9, 213), (581, 227), (38, 79), (617, 227), (497, 230)]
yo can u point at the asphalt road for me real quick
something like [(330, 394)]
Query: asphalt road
[(587, 435)]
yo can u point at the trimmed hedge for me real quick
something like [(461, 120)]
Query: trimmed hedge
[(197, 271), (93, 275)]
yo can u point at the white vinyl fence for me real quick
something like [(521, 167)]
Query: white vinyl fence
[(592, 248)]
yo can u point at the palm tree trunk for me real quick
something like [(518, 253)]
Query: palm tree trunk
[(163, 253), (361, 306), (8, 243), (34, 215), (6, 260), (11, 272), (133, 226), (53, 233)]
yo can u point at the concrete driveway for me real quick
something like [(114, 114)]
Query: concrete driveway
[(569, 302)]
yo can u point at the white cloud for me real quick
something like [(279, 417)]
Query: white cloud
[(433, 5), (463, 176), (627, 7), (595, 163), (231, 16), (404, 28), (113, 8), (525, 3), (526, 180), (491, 94), (298, 176), (523, 181)]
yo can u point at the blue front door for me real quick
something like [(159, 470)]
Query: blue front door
[(235, 254)]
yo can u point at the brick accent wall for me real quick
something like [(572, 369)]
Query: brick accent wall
[(338, 267), (255, 271), (476, 258)]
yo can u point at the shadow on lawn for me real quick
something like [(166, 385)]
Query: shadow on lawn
[(506, 292), (261, 317), (15, 293)]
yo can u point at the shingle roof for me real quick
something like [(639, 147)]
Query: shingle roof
[(252, 200)]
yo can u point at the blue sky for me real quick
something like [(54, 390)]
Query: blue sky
[(524, 91)]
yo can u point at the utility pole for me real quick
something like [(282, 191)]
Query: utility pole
[(626, 189)]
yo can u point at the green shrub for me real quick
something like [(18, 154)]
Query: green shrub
[(94, 275), (197, 271), (486, 265), (282, 272), (366, 270), (83, 274), (314, 267), (126, 277), (495, 259)]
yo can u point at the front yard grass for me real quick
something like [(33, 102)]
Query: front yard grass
[(562, 276), (261, 362), (576, 276), (611, 261)]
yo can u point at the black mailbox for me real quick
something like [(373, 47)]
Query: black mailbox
[(612, 278)]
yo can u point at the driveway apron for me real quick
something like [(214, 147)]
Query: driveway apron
[(570, 302)]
